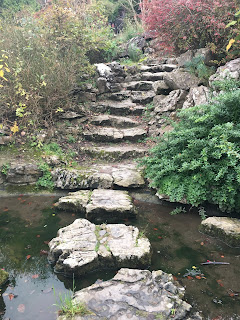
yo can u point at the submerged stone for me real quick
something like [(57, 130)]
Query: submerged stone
[(83, 247), (3, 277), (226, 229), (136, 295)]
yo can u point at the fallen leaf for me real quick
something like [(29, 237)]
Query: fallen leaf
[(21, 308), (202, 243), (46, 242), (222, 256), (159, 237), (155, 229), (189, 277), (232, 294), (28, 256), (38, 236), (174, 278), (43, 252), (5, 209), (35, 276), (10, 296), (73, 214), (19, 198), (198, 277)]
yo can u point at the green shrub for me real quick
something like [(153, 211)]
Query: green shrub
[(200, 159), (197, 67)]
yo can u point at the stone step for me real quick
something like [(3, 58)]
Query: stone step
[(138, 85), (142, 97), (114, 153), (107, 134), (158, 68), (126, 107), (119, 96), (98, 176), (106, 120), (149, 76)]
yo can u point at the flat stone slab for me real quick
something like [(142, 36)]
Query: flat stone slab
[(83, 247), (226, 229), (143, 97), (126, 107), (98, 176), (99, 204), (114, 121), (107, 134), (116, 152), (136, 295)]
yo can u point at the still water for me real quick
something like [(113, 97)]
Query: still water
[(28, 222)]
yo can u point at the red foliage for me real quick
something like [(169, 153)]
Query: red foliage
[(188, 24)]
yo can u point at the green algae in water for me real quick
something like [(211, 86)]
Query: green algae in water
[(3, 277)]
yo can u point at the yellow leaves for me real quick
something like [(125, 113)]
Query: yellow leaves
[(14, 128), (230, 43)]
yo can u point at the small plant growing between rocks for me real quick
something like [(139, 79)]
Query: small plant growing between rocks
[(45, 181), (5, 168), (177, 211)]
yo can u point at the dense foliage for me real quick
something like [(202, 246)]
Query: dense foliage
[(189, 24), (45, 55), (200, 159)]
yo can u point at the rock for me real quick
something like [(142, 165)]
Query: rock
[(180, 79), (109, 205), (226, 229), (23, 173), (185, 57), (135, 43), (3, 277), (160, 87), (98, 177), (207, 55), (103, 85), (71, 115), (125, 107), (76, 201), (139, 85), (83, 247), (136, 295), (171, 102), (103, 70), (143, 97), (149, 76), (196, 97), (231, 70), (87, 96), (114, 121), (117, 70)]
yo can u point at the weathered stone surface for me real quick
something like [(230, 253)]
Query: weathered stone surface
[(196, 97), (87, 96), (23, 173), (5, 140), (180, 79), (185, 57), (149, 76), (139, 85), (142, 97), (98, 177), (119, 96), (160, 87), (158, 68), (83, 247), (226, 229), (109, 205), (171, 102), (231, 70), (207, 55), (138, 42), (136, 295), (3, 277), (126, 107), (103, 85), (107, 134), (115, 153), (114, 121), (103, 70), (76, 201), (71, 115), (127, 177)]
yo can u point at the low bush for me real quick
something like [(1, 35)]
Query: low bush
[(200, 159)]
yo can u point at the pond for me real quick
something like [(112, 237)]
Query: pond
[(28, 222)]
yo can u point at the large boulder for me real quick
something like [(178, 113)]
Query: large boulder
[(197, 96), (231, 70), (181, 79), (83, 247), (136, 295), (226, 229), (171, 102), (23, 173)]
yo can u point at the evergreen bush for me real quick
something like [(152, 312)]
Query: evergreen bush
[(200, 159)]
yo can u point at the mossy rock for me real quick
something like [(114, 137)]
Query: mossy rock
[(223, 228), (3, 277)]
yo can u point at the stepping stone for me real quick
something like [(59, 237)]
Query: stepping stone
[(149, 76), (98, 176), (114, 121), (126, 107), (158, 68), (119, 96), (223, 228), (83, 247), (115, 153), (139, 85), (136, 295), (143, 97), (106, 134)]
